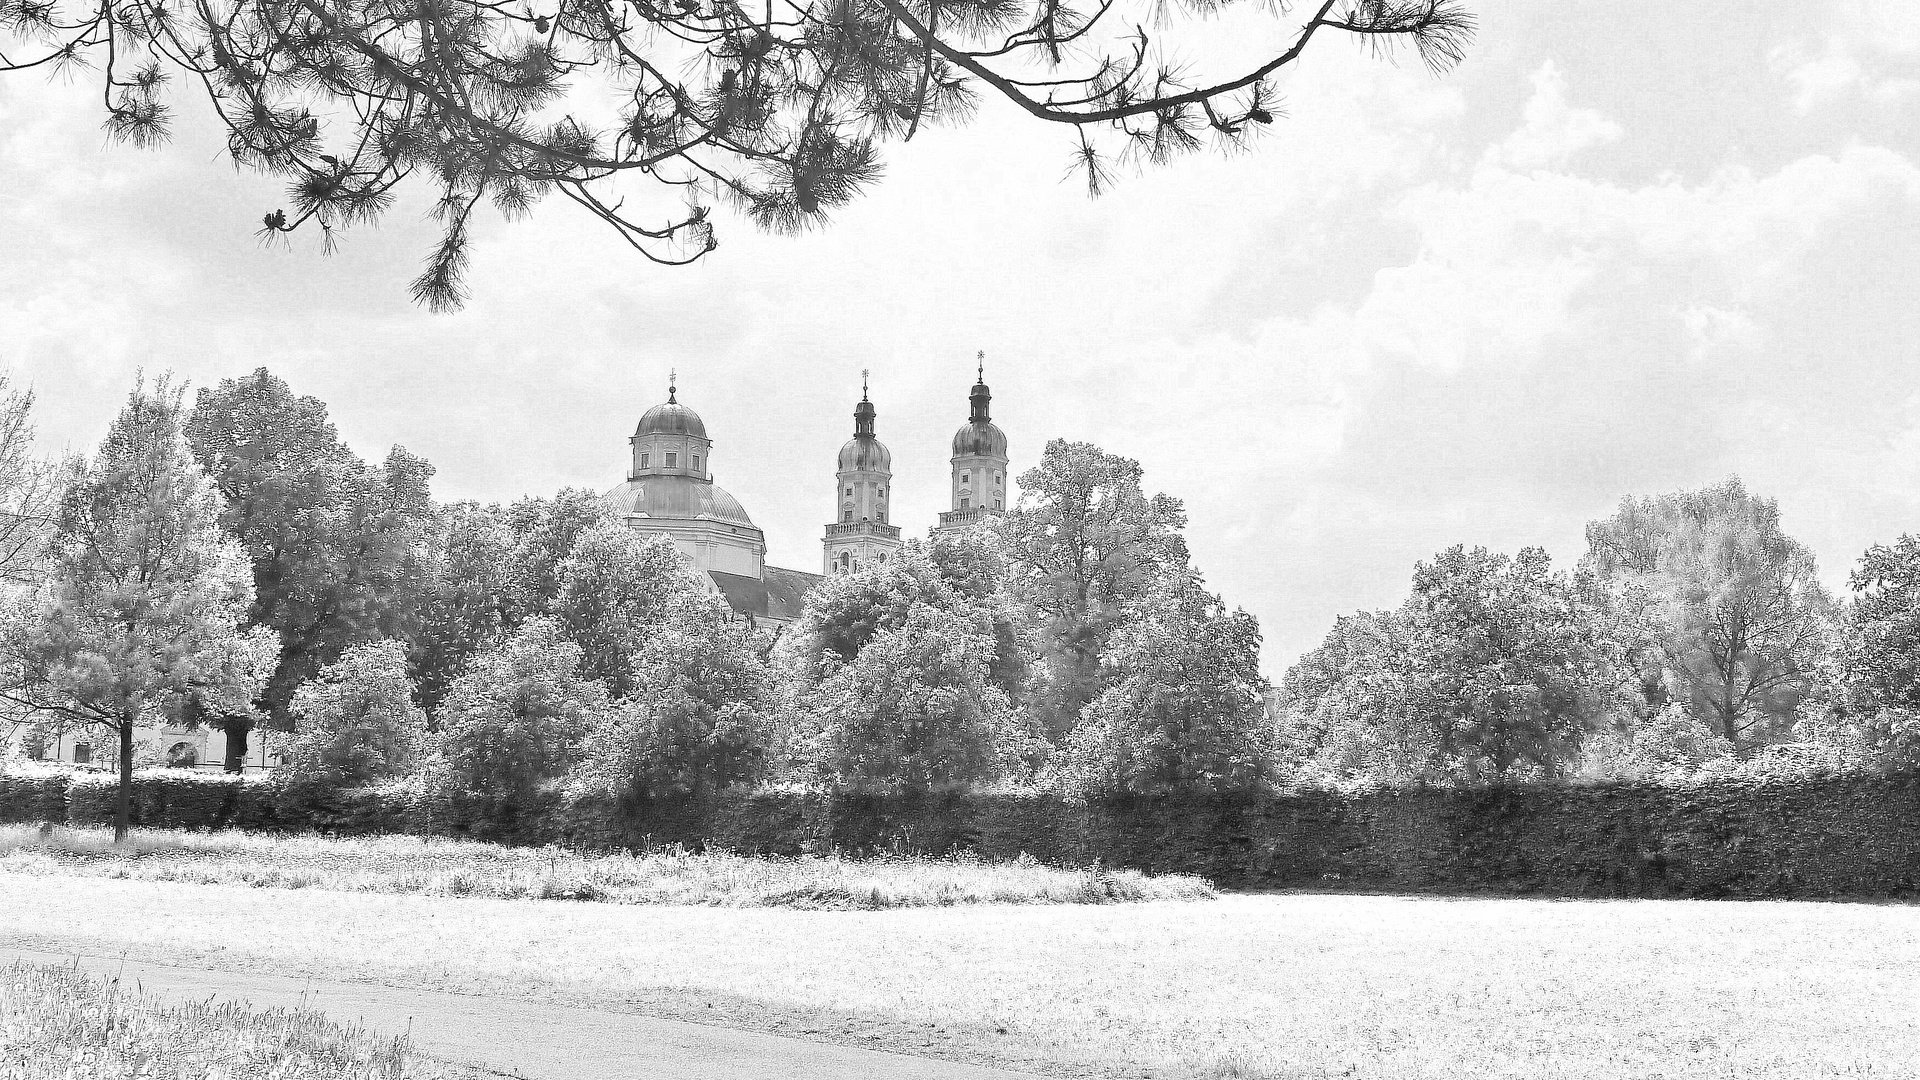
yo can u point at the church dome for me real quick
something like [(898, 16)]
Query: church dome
[(865, 455), (674, 497), (671, 418), (979, 438)]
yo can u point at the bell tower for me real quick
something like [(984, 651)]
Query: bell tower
[(863, 487), (979, 488)]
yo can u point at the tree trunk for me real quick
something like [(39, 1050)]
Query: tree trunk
[(236, 729), (123, 801)]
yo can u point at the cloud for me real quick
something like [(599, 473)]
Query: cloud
[(1552, 131)]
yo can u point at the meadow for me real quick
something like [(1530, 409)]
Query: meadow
[(59, 1022), (1256, 987), (438, 867)]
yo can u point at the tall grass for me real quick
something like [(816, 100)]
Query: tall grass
[(435, 867), (59, 1022)]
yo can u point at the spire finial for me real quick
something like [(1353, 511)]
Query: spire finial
[(980, 368), (673, 379), (863, 384)]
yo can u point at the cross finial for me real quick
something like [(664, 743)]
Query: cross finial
[(863, 384), (673, 378), (980, 368)]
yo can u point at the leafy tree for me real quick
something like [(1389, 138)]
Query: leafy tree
[(699, 715), (472, 596), (1083, 541), (1184, 711), (338, 548), (357, 720), (1493, 667), (1878, 709), (515, 721), (780, 110), (143, 616), (30, 490), (1671, 743), (545, 532), (1748, 629), (974, 565), (891, 669), (616, 588)]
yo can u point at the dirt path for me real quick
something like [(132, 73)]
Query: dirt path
[(528, 1040)]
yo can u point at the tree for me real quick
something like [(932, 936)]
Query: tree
[(30, 490), (357, 720), (545, 532), (1879, 704), (338, 548), (1493, 667), (143, 616), (891, 669), (472, 596), (515, 721), (974, 565), (1184, 711), (615, 590), (698, 717), (1083, 541), (1748, 629), (780, 111)]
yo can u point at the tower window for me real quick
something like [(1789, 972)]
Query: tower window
[(673, 460), (964, 503), (996, 504), (996, 478), (643, 460), (883, 517), (966, 476), (849, 491), (696, 463), (849, 516)]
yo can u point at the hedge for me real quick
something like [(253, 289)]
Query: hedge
[(1824, 836)]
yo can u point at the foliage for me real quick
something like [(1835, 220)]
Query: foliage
[(1493, 667), (616, 587), (1083, 541), (1672, 743), (143, 615), (699, 714), (61, 1021), (30, 491), (1877, 715), (545, 532), (472, 596), (891, 670), (1184, 709), (357, 721), (515, 720), (1748, 629), (338, 548), (781, 111), (974, 564)]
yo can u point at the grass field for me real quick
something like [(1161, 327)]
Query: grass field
[(405, 864), (57, 1022), (1289, 986)]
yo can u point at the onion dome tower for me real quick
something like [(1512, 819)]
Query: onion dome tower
[(979, 488), (863, 479)]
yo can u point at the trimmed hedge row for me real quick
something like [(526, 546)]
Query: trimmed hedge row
[(1807, 837)]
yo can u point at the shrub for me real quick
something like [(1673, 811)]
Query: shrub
[(357, 721)]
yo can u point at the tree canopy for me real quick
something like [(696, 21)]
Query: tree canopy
[(644, 113)]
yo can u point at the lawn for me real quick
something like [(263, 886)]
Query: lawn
[(1246, 986), (57, 1022), (433, 867)]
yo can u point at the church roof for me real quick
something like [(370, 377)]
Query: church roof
[(671, 418), (779, 596), (675, 497), (864, 453)]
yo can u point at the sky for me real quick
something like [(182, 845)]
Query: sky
[(1626, 248)]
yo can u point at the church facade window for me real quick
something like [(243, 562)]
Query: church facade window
[(964, 503), (643, 460), (849, 516), (82, 754), (673, 460), (696, 463), (996, 504)]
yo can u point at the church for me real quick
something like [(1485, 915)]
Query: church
[(669, 491)]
